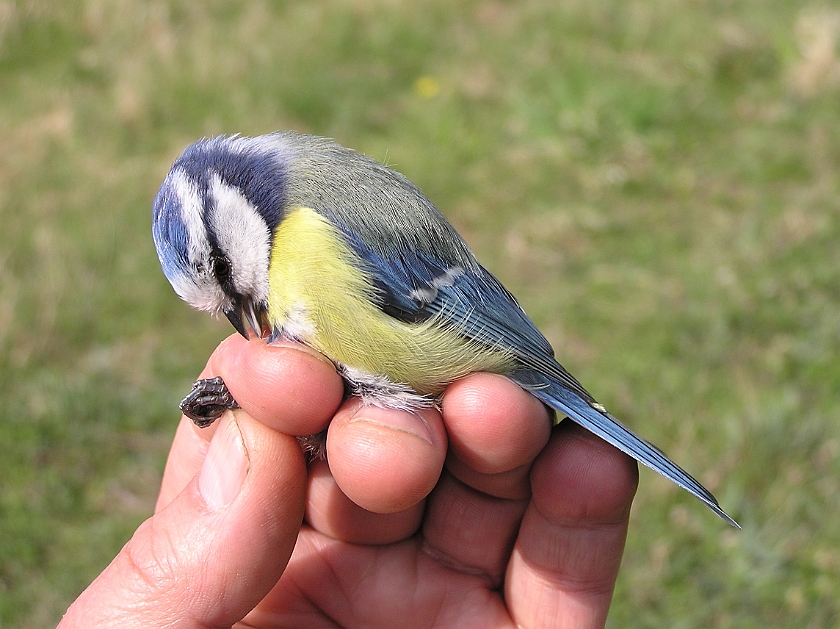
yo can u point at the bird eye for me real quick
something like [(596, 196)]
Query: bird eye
[(221, 269)]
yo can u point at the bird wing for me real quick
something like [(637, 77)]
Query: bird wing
[(415, 287)]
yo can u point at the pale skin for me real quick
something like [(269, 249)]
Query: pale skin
[(478, 516)]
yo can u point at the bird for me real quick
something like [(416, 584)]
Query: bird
[(293, 236)]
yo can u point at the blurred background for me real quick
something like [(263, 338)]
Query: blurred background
[(657, 180)]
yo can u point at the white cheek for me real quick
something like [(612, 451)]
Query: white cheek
[(243, 235), (201, 293)]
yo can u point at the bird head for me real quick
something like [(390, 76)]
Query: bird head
[(212, 224)]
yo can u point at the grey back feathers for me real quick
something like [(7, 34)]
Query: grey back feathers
[(379, 205)]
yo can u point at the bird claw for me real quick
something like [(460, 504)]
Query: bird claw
[(207, 401)]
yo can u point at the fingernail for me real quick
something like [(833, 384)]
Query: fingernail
[(225, 466), (403, 421)]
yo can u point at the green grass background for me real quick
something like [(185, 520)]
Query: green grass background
[(656, 180)]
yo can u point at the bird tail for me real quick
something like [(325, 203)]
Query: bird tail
[(601, 423)]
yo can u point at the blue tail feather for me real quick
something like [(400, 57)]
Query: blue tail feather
[(613, 432)]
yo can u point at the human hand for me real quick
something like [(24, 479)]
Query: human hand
[(524, 527)]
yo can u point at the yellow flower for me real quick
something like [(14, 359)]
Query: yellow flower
[(426, 87)]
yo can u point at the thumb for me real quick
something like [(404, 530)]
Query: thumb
[(217, 549)]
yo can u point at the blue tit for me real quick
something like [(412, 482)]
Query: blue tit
[(296, 237)]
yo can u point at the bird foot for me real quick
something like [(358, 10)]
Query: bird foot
[(207, 401)]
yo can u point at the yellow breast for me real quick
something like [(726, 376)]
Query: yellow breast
[(319, 294)]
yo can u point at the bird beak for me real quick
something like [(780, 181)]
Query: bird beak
[(244, 314)]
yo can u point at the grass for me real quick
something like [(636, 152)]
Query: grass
[(657, 181)]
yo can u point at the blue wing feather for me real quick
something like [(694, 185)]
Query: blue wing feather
[(476, 304), (614, 432), (481, 308)]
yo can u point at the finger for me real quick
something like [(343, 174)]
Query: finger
[(471, 530), (385, 460), (217, 549), (188, 451), (495, 430), (330, 512), (288, 387), (568, 552)]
